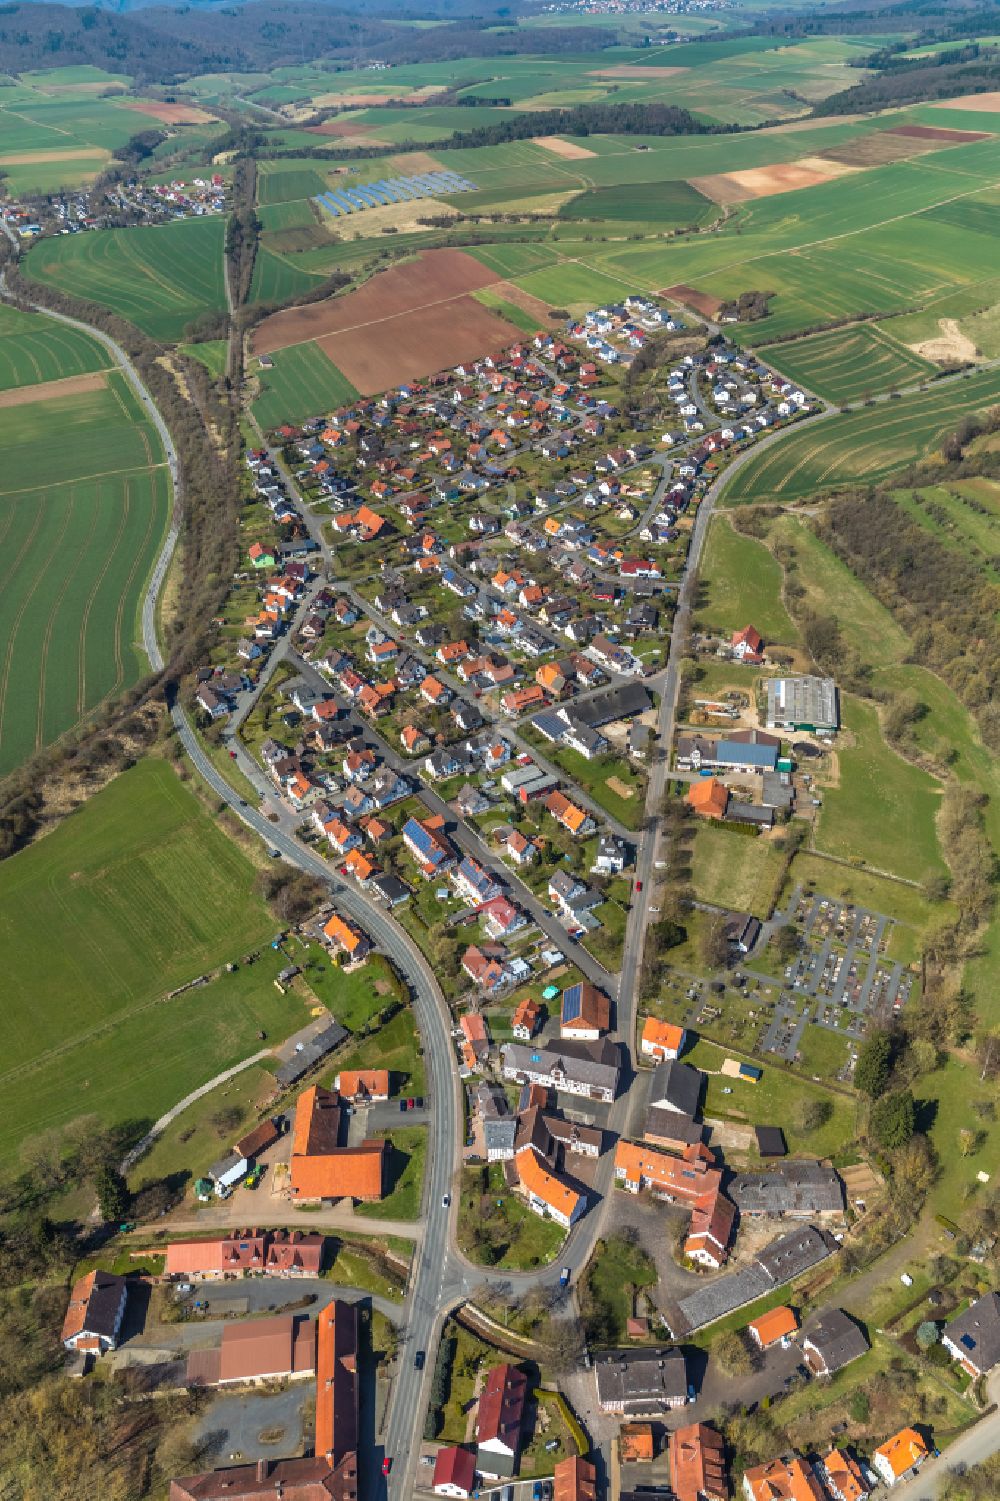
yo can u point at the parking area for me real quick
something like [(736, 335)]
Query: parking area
[(256, 1425)]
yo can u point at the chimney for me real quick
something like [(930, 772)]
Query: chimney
[(263, 1465)]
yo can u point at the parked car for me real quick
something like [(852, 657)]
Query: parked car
[(386, 1466), (419, 1358)]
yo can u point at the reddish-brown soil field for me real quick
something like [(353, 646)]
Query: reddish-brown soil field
[(986, 104), (700, 301), (935, 133), (437, 278), (170, 114), (417, 343)]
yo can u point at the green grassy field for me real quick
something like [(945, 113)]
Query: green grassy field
[(34, 350), (84, 502), (159, 277), (667, 205), (133, 895), (862, 446), (518, 316), (882, 811), (777, 1097), (849, 363), (212, 353), (740, 582), (303, 383), (404, 1175), (276, 278), (735, 870), (286, 181)]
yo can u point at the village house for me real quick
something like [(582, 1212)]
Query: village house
[(527, 1015), (634, 1382), (773, 1327), (661, 1040), (973, 1338), (791, 1479), (698, 1464), (900, 1457), (499, 1421), (276, 1253), (94, 1317), (575, 1479), (320, 1168), (590, 1069), (585, 1012), (454, 1472), (347, 938)]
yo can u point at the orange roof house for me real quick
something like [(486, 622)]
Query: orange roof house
[(360, 867), (783, 1480), (708, 798), (568, 814), (525, 1019), (635, 1443), (698, 1464), (546, 1194), (365, 1084), (661, 1040), (320, 1167), (346, 936), (773, 1326), (575, 1480), (899, 1455), (370, 522), (844, 1477)]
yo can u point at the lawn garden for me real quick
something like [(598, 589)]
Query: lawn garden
[(735, 870), (740, 584)]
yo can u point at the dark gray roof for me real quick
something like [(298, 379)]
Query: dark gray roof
[(677, 1086), (104, 1303), (499, 1134), (836, 1339), (595, 1063), (976, 1332), (791, 1187), (300, 1062), (620, 702), (784, 1259), (792, 1254), (641, 1379), (770, 1141), (668, 1125), (392, 888)]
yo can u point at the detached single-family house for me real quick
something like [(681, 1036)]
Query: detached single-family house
[(585, 1012), (900, 1456), (973, 1338), (662, 1041), (94, 1316), (498, 1422), (454, 1472)]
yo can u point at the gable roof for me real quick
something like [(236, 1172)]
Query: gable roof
[(902, 1451), (698, 1464), (774, 1325), (976, 1332)]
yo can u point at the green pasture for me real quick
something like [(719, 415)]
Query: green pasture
[(133, 895), (882, 809), (68, 439), (50, 112), (34, 350), (212, 353), (735, 870), (84, 502), (862, 446), (292, 213), (848, 364), (280, 182), (832, 589), (69, 608), (159, 277), (276, 278), (303, 383), (574, 285), (667, 205), (740, 584)]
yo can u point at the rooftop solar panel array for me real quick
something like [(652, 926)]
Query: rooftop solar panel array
[(393, 190)]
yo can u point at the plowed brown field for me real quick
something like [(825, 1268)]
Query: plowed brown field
[(417, 343), (406, 322), (436, 278)]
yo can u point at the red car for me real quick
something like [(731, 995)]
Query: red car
[(409, 1104), (232, 755), (638, 885), (386, 1466)]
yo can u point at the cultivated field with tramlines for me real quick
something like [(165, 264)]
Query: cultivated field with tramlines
[(160, 277), (862, 446), (84, 502), (846, 364)]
